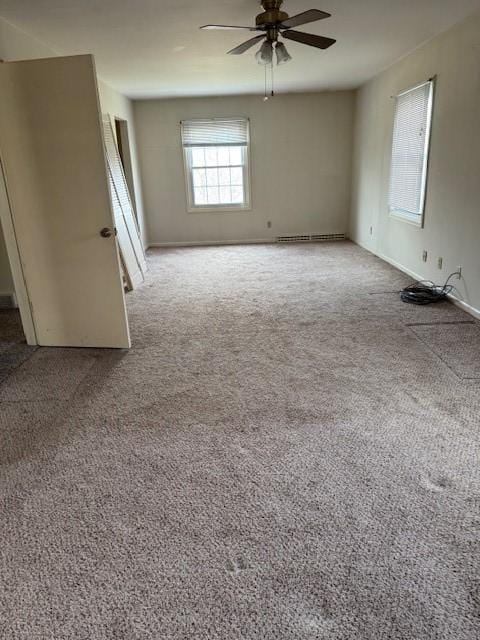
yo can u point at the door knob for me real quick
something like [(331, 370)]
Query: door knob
[(106, 232)]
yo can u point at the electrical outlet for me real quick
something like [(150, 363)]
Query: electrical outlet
[(269, 224), (459, 273), (439, 263), (424, 255)]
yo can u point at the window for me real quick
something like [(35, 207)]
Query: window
[(411, 138), (216, 164)]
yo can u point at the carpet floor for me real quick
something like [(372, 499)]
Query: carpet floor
[(13, 348), (287, 452)]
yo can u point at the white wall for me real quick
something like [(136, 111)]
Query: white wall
[(18, 45), (452, 214), (300, 156)]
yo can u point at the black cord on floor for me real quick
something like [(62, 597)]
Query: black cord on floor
[(426, 292)]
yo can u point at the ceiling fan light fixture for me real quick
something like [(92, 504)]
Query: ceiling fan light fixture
[(265, 54), (282, 54)]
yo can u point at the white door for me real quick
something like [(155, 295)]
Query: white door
[(128, 234), (131, 267), (51, 146)]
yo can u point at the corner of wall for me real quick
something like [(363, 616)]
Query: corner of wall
[(452, 224)]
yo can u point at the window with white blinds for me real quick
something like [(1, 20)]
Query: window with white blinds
[(410, 146), (216, 163)]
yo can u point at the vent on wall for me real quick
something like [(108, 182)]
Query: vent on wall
[(315, 237), (7, 301)]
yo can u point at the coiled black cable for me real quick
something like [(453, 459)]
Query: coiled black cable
[(426, 292)]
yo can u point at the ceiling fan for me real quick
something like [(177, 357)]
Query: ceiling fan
[(273, 22)]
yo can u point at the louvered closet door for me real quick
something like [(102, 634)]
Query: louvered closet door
[(51, 143), (131, 267), (128, 234)]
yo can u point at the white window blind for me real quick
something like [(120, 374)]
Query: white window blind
[(215, 133), (411, 138)]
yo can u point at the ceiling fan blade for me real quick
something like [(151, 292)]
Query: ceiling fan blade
[(226, 27), (321, 42), (303, 18), (246, 45)]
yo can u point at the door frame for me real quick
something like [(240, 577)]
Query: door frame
[(20, 286)]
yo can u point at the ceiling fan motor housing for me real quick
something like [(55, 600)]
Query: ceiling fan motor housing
[(272, 15)]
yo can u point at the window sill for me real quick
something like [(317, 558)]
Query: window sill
[(416, 221), (219, 209)]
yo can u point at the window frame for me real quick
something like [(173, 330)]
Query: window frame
[(402, 214), (188, 171)]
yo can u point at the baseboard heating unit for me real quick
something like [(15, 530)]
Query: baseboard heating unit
[(315, 237)]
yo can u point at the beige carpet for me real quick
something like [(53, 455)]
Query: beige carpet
[(286, 453), (13, 350)]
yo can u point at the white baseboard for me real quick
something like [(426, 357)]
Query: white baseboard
[(416, 276), (213, 243), (466, 307), (398, 266), (456, 301), (206, 243)]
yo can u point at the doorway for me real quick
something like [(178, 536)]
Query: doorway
[(16, 321), (11, 329)]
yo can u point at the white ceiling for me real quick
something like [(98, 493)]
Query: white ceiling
[(147, 48)]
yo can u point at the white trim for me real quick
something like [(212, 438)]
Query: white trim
[(473, 311), (456, 301), (409, 218), (210, 208), (214, 243), (466, 307), (399, 266), (207, 243)]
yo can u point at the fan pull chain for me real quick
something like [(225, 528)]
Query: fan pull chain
[(272, 92)]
